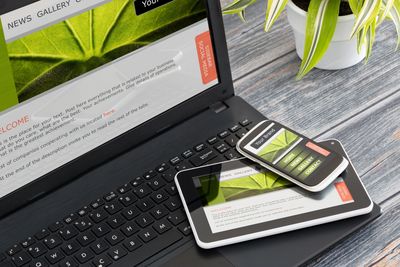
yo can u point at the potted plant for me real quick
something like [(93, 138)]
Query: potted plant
[(329, 34)]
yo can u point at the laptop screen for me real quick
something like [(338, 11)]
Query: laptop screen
[(76, 74)]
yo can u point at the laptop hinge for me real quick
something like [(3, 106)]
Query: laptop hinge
[(218, 107)]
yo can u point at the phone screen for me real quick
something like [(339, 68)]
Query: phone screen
[(291, 153)]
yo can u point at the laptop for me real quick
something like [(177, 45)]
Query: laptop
[(102, 102)]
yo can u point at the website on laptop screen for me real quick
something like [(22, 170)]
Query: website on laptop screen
[(75, 74)]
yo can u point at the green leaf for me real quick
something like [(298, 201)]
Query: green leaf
[(73, 47), (369, 39), (386, 10), (275, 8), (368, 12), (355, 6), (238, 7), (322, 17)]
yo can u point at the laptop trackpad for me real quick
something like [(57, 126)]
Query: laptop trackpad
[(195, 256)]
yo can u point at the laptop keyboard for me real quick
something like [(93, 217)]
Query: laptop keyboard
[(142, 217)]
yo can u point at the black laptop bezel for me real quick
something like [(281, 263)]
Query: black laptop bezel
[(72, 170)]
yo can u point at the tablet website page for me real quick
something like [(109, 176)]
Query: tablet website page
[(78, 73), (248, 196)]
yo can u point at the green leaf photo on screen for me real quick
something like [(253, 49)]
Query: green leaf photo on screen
[(61, 52), (216, 192), (278, 146)]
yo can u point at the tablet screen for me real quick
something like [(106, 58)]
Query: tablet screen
[(240, 197), (239, 200)]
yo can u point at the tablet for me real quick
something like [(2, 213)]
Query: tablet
[(237, 200)]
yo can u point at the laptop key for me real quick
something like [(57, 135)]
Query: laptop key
[(52, 241), (187, 154), (56, 226), (42, 234), (147, 235), (83, 224), (83, 211), (110, 196), (142, 191), (68, 232), (159, 212), (37, 250), (177, 217), (231, 154), (132, 244), (98, 215), (156, 183), (128, 199), (39, 263), (173, 204), (99, 247), (125, 188), (221, 147), (234, 128), (144, 220), (241, 133), (185, 228), (114, 238), (245, 122), (86, 239), (14, 250), (171, 189), (129, 229), (175, 160), (145, 205), (21, 258), (150, 174), (182, 166), (102, 261), (98, 203), (200, 147), (101, 230), (54, 256), (137, 181), (232, 141), (116, 221), (162, 168), (223, 134), (117, 253), (212, 140), (70, 218), (68, 263), (84, 255), (159, 197), (162, 226), (70, 248), (113, 207), (203, 157), (169, 176), (130, 213), (28, 242)]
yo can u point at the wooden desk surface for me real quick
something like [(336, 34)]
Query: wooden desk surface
[(360, 106)]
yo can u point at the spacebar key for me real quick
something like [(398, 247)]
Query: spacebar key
[(153, 247), (203, 158)]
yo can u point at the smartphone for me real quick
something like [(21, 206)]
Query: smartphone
[(293, 156)]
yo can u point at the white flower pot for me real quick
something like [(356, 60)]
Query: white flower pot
[(342, 52)]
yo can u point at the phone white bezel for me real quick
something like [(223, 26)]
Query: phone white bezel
[(317, 188), (279, 230)]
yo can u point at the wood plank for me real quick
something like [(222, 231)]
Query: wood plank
[(372, 141), (249, 46), (373, 245), (323, 99)]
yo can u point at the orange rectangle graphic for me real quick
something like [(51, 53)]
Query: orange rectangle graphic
[(206, 57), (318, 149), (343, 191)]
